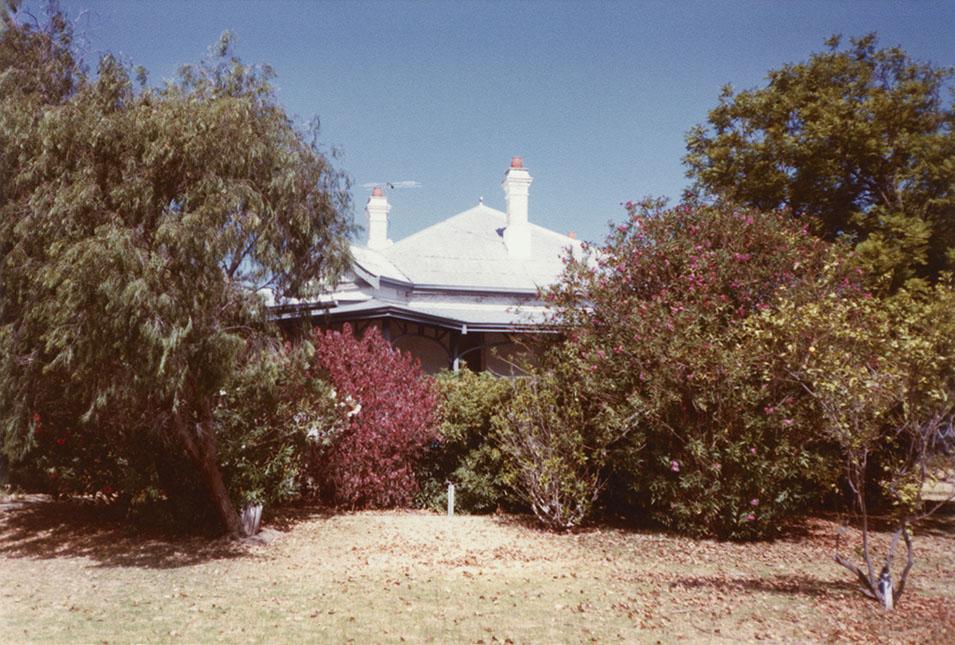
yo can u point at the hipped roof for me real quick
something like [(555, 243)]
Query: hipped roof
[(467, 251)]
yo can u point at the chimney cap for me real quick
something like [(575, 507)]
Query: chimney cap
[(517, 162), (377, 192), (572, 235)]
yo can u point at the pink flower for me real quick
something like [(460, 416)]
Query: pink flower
[(769, 409), (752, 451), (717, 466), (675, 466), (754, 501), (750, 517), (787, 422)]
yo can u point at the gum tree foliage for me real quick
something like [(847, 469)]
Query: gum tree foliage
[(654, 331), (859, 141), (137, 226), (881, 377)]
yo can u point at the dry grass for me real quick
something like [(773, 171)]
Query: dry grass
[(68, 574)]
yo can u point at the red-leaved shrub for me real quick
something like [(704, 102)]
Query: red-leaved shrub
[(391, 410)]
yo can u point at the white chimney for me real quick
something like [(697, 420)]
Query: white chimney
[(517, 233), (377, 211)]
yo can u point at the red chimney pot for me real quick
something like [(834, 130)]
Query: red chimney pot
[(517, 162)]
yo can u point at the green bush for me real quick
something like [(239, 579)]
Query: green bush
[(466, 452), (656, 330), (270, 420), (556, 444)]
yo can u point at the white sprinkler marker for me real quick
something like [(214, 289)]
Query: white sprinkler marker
[(450, 499)]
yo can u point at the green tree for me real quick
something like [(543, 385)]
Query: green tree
[(140, 231), (860, 140), (881, 374)]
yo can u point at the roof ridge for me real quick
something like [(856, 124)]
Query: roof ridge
[(553, 233)]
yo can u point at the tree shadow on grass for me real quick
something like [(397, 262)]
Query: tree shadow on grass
[(40, 528), (796, 529), (787, 584), (286, 518), (941, 523)]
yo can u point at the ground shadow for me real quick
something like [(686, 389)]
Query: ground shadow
[(636, 524), (793, 530), (941, 523), (286, 518), (38, 527), (788, 584)]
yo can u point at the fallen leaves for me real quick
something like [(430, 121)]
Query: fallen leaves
[(364, 575)]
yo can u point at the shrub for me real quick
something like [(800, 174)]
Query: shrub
[(655, 329), (67, 457), (466, 451), (391, 420), (556, 443), (269, 419)]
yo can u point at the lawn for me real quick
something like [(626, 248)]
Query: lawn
[(69, 574)]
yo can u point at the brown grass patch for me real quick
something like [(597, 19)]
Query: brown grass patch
[(70, 573)]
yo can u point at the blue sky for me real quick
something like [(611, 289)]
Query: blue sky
[(596, 96)]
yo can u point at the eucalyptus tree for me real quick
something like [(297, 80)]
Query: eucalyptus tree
[(860, 141), (142, 231)]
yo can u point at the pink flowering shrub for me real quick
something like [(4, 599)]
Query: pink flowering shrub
[(656, 331), (390, 407)]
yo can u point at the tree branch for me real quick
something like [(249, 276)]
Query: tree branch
[(908, 564)]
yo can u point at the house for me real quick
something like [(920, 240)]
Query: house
[(461, 290)]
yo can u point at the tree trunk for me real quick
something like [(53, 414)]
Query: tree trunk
[(202, 450)]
